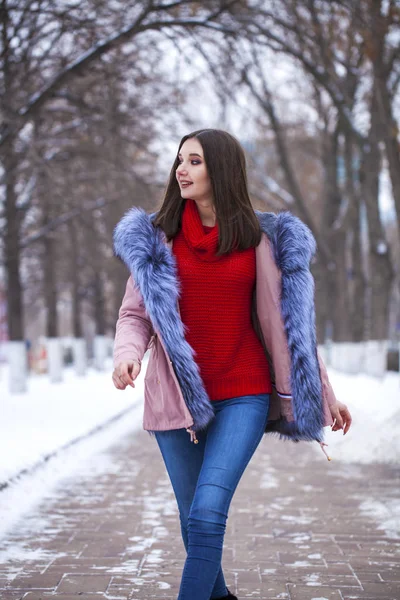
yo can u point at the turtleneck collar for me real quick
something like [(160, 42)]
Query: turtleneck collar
[(203, 245)]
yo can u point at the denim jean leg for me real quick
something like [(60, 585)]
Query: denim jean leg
[(219, 589), (232, 439), (183, 462)]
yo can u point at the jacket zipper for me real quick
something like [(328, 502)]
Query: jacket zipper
[(189, 430), (192, 433)]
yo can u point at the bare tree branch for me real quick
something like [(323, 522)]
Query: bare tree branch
[(112, 42), (266, 103)]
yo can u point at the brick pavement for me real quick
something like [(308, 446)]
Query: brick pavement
[(296, 534)]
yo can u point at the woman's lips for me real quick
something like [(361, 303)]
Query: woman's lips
[(185, 185)]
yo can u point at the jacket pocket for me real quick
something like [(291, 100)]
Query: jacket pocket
[(164, 406), (152, 341)]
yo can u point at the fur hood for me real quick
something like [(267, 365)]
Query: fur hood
[(144, 250)]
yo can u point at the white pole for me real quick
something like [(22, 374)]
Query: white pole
[(356, 358), (54, 359), (375, 357), (100, 347), (80, 357), (18, 367)]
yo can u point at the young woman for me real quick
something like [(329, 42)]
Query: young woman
[(223, 296)]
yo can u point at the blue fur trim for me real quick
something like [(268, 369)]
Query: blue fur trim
[(153, 266), (154, 271), (294, 246)]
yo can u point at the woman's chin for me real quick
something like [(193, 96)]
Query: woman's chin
[(186, 195)]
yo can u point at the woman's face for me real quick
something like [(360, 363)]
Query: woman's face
[(191, 172)]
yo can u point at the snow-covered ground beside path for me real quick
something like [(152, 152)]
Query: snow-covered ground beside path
[(374, 435), (50, 416), (91, 456)]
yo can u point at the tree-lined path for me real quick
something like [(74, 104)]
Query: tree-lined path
[(296, 531)]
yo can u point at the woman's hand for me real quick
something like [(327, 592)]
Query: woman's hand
[(341, 417), (125, 373)]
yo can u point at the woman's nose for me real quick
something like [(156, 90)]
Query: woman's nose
[(181, 169)]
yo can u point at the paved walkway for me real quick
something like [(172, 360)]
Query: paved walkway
[(295, 534)]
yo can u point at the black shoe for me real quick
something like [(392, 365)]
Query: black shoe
[(228, 597)]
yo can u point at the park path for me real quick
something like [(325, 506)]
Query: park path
[(295, 531)]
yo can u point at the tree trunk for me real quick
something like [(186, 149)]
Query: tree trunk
[(356, 279), (75, 279), (379, 32), (50, 289), (341, 308), (321, 301), (359, 287), (380, 270), (333, 292), (9, 159), (12, 253), (390, 132), (99, 304)]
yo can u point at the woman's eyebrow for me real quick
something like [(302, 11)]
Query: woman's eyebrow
[(192, 154)]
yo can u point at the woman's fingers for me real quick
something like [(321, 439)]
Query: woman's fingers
[(338, 423), (347, 418), (342, 418), (125, 371), (119, 384)]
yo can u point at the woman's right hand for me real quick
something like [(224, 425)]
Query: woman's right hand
[(341, 417), (125, 373)]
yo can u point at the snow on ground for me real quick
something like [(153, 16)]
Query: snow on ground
[(50, 416), (89, 457), (374, 404), (386, 514), (73, 423)]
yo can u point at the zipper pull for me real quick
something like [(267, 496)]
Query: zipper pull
[(193, 437), (322, 444)]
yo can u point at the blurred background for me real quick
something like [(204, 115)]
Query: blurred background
[(95, 96)]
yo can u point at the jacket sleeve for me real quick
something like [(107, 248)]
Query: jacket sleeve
[(134, 328), (328, 395)]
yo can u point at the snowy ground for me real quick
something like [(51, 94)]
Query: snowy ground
[(53, 421), (55, 430), (90, 457), (374, 435), (50, 416)]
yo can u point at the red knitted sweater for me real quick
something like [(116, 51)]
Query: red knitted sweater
[(215, 306)]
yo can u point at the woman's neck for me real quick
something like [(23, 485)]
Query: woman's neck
[(206, 212)]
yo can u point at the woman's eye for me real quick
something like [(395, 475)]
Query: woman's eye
[(193, 162)]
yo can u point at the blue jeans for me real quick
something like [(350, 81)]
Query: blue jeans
[(204, 477)]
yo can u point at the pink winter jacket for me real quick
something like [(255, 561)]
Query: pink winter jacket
[(164, 405)]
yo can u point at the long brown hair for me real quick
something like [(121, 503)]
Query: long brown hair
[(225, 160)]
